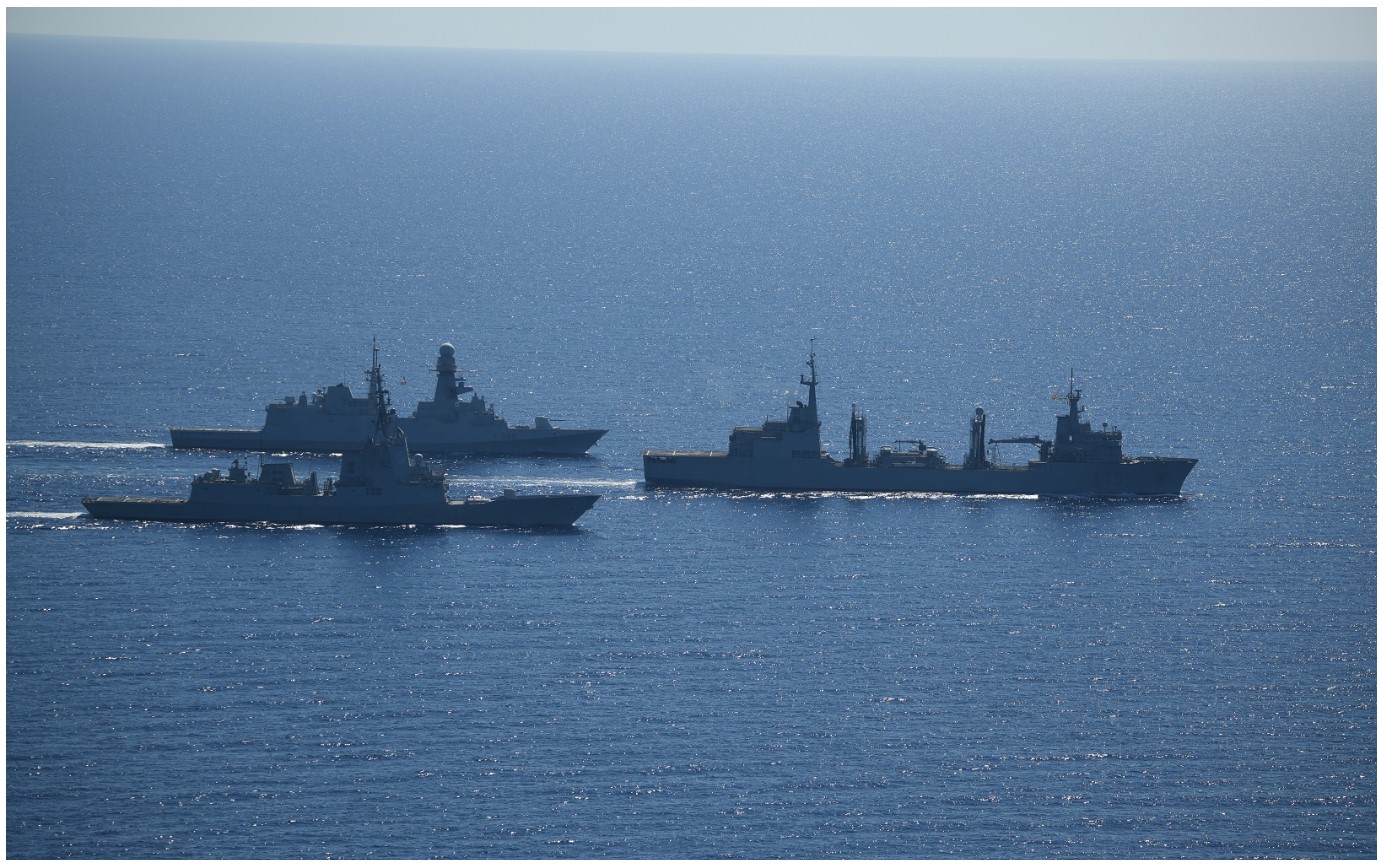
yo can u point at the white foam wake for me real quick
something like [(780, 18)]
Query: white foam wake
[(529, 481), (100, 446)]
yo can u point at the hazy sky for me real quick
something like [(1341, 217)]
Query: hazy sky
[(1032, 32)]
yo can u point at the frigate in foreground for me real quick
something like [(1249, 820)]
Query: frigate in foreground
[(381, 483), (787, 456), (333, 421)]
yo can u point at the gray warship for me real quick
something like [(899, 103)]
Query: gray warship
[(381, 483), (334, 420), (787, 456)]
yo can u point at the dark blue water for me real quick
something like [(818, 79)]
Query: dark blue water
[(652, 245)]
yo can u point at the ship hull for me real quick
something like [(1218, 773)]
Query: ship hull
[(1144, 476), (509, 511), (422, 439)]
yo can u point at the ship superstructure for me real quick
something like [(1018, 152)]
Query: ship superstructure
[(381, 482), (787, 456), (334, 420)]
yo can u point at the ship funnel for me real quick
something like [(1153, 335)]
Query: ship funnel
[(859, 449), (974, 458)]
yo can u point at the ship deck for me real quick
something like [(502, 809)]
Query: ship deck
[(161, 500), (656, 454)]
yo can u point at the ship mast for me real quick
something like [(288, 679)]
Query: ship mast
[(811, 385), (1073, 396), (802, 417), (379, 397)]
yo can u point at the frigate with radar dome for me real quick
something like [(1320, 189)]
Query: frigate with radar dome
[(381, 483), (787, 456), (333, 420)]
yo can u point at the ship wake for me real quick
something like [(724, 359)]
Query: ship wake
[(40, 445)]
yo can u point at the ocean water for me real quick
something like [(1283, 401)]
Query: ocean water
[(654, 245)]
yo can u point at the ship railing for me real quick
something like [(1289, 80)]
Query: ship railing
[(655, 455)]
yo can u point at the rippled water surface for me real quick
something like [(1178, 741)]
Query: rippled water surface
[(653, 246)]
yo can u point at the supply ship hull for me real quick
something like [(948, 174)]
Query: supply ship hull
[(786, 455), (1143, 476)]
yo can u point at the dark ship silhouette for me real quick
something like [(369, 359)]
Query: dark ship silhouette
[(381, 483), (333, 421), (787, 456)]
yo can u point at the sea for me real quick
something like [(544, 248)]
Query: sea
[(656, 245)]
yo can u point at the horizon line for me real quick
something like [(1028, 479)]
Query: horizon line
[(1238, 61)]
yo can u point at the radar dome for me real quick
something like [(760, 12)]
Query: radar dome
[(447, 350)]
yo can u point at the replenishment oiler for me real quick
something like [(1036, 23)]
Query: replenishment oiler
[(381, 483), (333, 421), (787, 456)]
